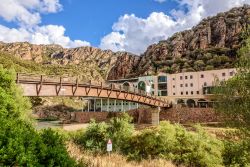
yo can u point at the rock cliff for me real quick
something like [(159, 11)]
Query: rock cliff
[(212, 44)]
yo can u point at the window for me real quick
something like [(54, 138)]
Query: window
[(181, 85), (202, 76), (173, 79), (162, 79), (186, 92), (197, 92), (231, 73), (205, 84), (162, 86), (223, 74), (181, 93), (173, 93), (162, 93), (191, 85), (191, 76), (186, 85), (173, 86), (192, 92), (152, 86), (180, 77), (186, 77)]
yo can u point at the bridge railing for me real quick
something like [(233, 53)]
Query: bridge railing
[(74, 80)]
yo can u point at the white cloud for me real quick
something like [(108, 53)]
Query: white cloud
[(134, 34), (27, 14), (160, 1), (49, 34)]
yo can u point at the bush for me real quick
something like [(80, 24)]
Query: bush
[(236, 153), (20, 143), (173, 142), (55, 152), (120, 131), (95, 138)]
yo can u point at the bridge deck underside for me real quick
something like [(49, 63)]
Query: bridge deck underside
[(46, 89)]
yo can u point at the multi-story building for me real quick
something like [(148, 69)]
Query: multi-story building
[(188, 88), (194, 88)]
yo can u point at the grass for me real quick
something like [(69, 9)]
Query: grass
[(114, 160)]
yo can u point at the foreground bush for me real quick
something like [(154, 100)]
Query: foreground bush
[(173, 142), (237, 153), (167, 141), (20, 143), (95, 138)]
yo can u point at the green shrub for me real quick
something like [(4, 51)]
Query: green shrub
[(95, 138), (173, 142), (55, 152), (236, 153), (120, 131), (20, 143), (209, 67)]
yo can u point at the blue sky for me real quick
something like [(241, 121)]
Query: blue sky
[(119, 25), (90, 20)]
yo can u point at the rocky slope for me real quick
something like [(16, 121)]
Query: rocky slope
[(212, 44), (90, 62)]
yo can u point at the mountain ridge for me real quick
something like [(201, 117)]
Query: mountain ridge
[(212, 44)]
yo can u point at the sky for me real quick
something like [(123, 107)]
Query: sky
[(118, 25)]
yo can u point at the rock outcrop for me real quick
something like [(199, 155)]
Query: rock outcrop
[(212, 44), (93, 62)]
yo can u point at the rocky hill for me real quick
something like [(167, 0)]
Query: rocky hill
[(212, 44), (85, 62)]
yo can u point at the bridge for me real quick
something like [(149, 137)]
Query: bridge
[(49, 86)]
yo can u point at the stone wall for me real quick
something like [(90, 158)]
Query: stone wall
[(143, 116), (189, 115)]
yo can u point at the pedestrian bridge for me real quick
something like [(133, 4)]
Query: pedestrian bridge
[(49, 86)]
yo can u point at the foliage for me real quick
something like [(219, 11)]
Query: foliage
[(120, 130), (173, 142), (234, 97), (95, 138), (55, 153), (234, 94), (20, 143), (236, 153)]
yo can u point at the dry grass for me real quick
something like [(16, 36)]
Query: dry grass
[(114, 160)]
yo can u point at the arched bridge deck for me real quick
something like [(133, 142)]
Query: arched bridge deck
[(47, 86)]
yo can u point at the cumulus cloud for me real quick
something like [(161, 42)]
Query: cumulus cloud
[(134, 34), (27, 15), (49, 34), (27, 12)]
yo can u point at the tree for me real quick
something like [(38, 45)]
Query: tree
[(20, 143), (234, 94)]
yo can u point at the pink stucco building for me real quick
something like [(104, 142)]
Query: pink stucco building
[(195, 85)]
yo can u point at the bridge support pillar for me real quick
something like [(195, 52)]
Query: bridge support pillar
[(155, 116)]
